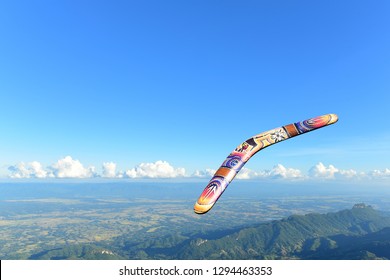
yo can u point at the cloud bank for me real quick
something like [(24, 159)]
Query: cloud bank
[(158, 169), (277, 172), (380, 174), (68, 167)]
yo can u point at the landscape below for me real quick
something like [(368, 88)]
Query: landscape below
[(156, 221)]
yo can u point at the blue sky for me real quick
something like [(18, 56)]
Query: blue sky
[(184, 82)]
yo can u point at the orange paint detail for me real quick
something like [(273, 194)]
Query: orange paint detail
[(223, 172), (291, 130)]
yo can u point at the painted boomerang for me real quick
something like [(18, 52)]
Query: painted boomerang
[(237, 159)]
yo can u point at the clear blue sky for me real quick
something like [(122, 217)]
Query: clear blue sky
[(186, 81)]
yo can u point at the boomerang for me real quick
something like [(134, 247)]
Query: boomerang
[(237, 159)]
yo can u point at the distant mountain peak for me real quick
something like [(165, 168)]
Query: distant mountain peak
[(361, 205)]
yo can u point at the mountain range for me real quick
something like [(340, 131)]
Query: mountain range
[(358, 233)]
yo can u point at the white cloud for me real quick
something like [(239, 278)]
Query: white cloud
[(279, 171), (203, 173), (158, 169), (109, 170), (349, 173), (331, 172), (27, 170), (70, 168), (246, 173), (321, 171), (380, 174)]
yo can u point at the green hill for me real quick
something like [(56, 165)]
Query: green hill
[(77, 252), (297, 237), (374, 245)]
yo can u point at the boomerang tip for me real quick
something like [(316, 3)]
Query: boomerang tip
[(202, 208), (333, 118), (318, 122)]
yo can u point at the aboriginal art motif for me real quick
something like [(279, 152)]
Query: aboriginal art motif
[(237, 159)]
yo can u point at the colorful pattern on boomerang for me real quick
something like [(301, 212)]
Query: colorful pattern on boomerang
[(237, 159)]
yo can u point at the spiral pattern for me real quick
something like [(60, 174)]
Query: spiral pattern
[(233, 162)]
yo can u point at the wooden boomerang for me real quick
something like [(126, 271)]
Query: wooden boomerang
[(237, 159)]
